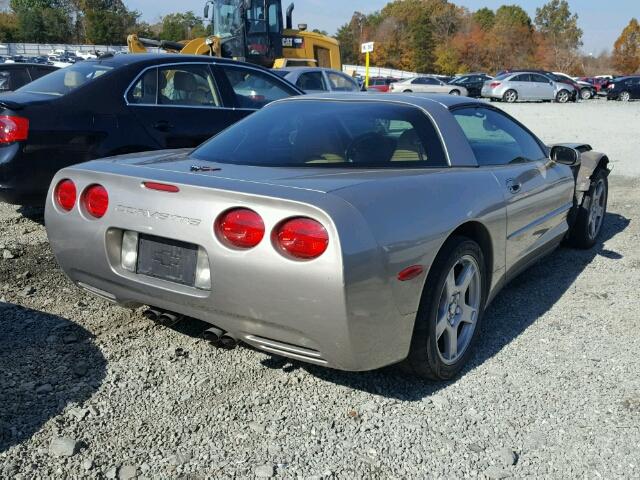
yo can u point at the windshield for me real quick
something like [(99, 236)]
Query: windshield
[(65, 80), (316, 133), (226, 18)]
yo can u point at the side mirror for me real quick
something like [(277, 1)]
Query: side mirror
[(565, 155)]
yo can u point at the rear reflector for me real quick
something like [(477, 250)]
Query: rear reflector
[(65, 195), (162, 187), (303, 238), (13, 129), (96, 200), (240, 228), (410, 273), (129, 254)]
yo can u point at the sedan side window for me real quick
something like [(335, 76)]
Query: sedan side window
[(188, 85), (145, 90), (5, 76), (311, 81), (496, 139), (342, 83), (254, 89)]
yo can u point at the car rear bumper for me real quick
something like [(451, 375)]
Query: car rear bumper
[(322, 312), (21, 182)]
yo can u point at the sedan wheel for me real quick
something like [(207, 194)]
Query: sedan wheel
[(562, 97), (585, 94), (450, 312), (458, 309), (625, 96), (454, 92), (510, 96)]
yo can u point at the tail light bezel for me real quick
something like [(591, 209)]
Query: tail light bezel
[(94, 212), (495, 84), (68, 206), (289, 253), (236, 244)]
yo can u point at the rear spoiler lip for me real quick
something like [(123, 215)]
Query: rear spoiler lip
[(11, 105)]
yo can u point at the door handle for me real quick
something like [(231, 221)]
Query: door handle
[(162, 126), (513, 186)]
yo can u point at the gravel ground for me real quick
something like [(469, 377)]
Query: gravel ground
[(88, 389)]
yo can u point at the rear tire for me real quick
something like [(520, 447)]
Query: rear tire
[(455, 92), (450, 314), (591, 214), (624, 96), (563, 96), (510, 96), (407, 91)]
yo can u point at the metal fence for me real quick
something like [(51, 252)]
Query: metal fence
[(37, 49), (377, 71)]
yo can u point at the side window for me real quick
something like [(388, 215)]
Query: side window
[(525, 77), (144, 91), (18, 78), (187, 85), (311, 81), (274, 18), (253, 88), (342, 83), (418, 81), (432, 81), (539, 79), (496, 139), (5, 77), (37, 72)]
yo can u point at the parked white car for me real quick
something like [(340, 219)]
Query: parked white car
[(427, 85)]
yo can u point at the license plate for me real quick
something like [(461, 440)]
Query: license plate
[(167, 259)]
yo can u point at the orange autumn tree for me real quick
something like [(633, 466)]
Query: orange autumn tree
[(626, 50)]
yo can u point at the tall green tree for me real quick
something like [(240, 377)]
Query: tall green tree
[(182, 26), (43, 21), (626, 50), (485, 18), (106, 22), (559, 27), (9, 28)]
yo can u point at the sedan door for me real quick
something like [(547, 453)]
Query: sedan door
[(538, 192), (179, 105), (544, 87), (524, 86)]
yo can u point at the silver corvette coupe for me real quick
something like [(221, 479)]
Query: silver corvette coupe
[(346, 230)]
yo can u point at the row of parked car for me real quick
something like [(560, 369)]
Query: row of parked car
[(516, 85)]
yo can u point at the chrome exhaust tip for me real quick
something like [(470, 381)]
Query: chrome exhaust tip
[(213, 335), (169, 319), (228, 341), (151, 314)]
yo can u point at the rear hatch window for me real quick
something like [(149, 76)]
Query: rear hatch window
[(67, 79), (324, 133)]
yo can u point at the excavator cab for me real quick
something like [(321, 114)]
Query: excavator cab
[(249, 30)]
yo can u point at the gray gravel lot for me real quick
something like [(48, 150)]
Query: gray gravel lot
[(88, 389)]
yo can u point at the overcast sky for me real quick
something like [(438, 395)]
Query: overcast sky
[(602, 21)]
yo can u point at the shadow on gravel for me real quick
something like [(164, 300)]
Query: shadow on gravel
[(46, 363), (515, 308), (35, 214)]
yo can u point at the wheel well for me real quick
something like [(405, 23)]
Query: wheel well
[(602, 164), (479, 234)]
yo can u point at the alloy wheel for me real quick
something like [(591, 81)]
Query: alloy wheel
[(563, 97), (597, 209), (510, 96), (458, 309), (625, 97)]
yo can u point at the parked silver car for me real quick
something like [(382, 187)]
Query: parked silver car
[(527, 86), (427, 85), (350, 234), (318, 79)]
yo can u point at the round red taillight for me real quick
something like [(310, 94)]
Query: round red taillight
[(65, 195), (303, 238), (240, 228), (96, 200)]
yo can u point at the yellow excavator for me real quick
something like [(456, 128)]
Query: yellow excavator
[(252, 31)]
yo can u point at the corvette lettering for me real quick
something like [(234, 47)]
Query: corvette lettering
[(158, 215)]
